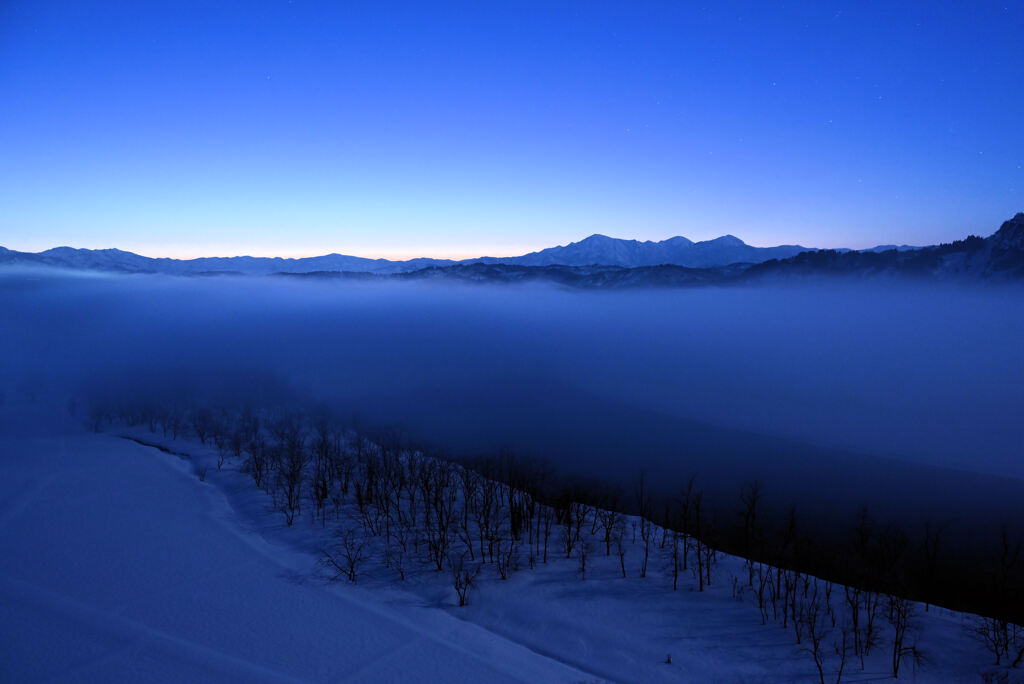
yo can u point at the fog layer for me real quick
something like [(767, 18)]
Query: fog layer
[(807, 388)]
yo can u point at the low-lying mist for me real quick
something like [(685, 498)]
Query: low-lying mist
[(830, 395)]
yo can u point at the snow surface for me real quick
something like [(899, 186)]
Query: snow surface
[(119, 564)]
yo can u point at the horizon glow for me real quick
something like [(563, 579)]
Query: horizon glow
[(187, 252), (398, 130)]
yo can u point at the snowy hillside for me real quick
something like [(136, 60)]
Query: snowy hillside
[(121, 566), (128, 562)]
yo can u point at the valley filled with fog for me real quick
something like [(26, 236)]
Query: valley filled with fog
[(794, 386)]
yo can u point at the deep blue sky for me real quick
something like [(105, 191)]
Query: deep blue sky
[(393, 129)]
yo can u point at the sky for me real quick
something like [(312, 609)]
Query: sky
[(465, 129)]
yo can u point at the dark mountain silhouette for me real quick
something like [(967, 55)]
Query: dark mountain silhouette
[(997, 257), (603, 262)]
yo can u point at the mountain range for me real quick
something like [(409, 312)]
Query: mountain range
[(999, 257), (601, 261), (677, 251), (596, 250)]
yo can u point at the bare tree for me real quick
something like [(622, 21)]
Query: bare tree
[(463, 576), (395, 555), (901, 618), (871, 602), (811, 615), (582, 551), (1000, 637), (258, 462), (291, 466), (507, 557), (202, 424), (620, 548), (575, 515), (676, 560), (750, 497), (684, 505), (764, 589), (547, 517), (347, 555), (705, 552), (644, 508), (609, 517)]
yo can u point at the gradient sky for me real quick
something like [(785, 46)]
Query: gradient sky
[(461, 129)]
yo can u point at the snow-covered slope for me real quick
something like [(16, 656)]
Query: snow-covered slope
[(119, 565), (122, 565)]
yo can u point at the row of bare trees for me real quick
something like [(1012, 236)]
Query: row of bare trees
[(414, 509)]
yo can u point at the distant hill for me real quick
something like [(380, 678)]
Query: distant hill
[(127, 262), (664, 275), (997, 257), (677, 251)]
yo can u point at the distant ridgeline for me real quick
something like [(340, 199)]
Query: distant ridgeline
[(601, 262), (999, 256)]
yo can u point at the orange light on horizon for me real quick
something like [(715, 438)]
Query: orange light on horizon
[(183, 252)]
